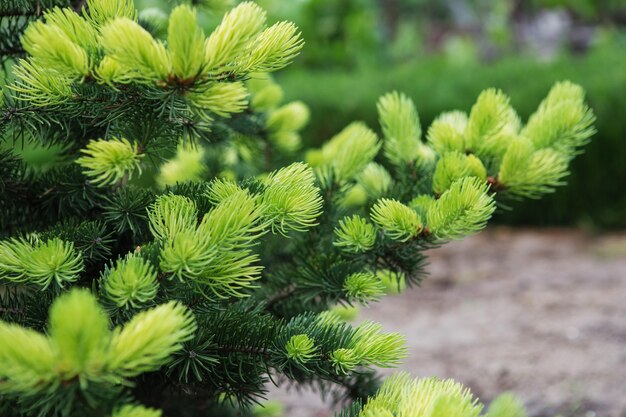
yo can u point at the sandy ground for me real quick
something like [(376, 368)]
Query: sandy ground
[(538, 313)]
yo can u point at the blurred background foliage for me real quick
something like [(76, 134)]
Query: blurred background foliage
[(442, 53)]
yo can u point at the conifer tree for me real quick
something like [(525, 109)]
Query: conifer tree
[(179, 250)]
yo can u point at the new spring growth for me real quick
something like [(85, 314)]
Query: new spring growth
[(143, 58), (363, 287), (102, 11), (375, 180), (131, 282), (455, 165), (187, 165), (401, 128), (107, 162), (348, 152), (214, 255), (446, 132), (344, 360), (290, 117), (291, 200), (526, 161), (427, 397), (185, 41), (537, 161), (136, 411), (40, 263), (230, 39), (461, 210), (366, 346), (563, 121), (61, 55), (266, 94), (355, 234), (240, 45), (171, 215), (506, 405), (220, 98), (108, 45), (398, 221), (491, 124), (530, 173), (80, 347), (282, 123), (300, 348)]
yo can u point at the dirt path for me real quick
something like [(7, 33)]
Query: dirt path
[(538, 313)]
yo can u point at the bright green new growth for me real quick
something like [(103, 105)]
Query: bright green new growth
[(398, 221), (355, 234), (239, 44), (526, 161), (101, 11), (215, 254), (132, 282), (291, 200), (79, 333), (110, 161), (462, 210), (288, 118), (28, 361), (186, 166), (402, 130), (427, 397), (348, 152), (344, 360), (75, 27), (446, 133), (375, 180), (186, 43), (300, 348), (149, 339), (530, 173), (363, 287), (62, 55), (40, 263), (231, 38), (81, 348), (563, 121), (537, 161), (39, 85), (455, 165), (171, 215), (109, 46), (136, 411), (372, 347), (219, 98), (142, 58), (283, 121), (274, 48), (366, 345), (266, 94), (491, 124), (506, 405)]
